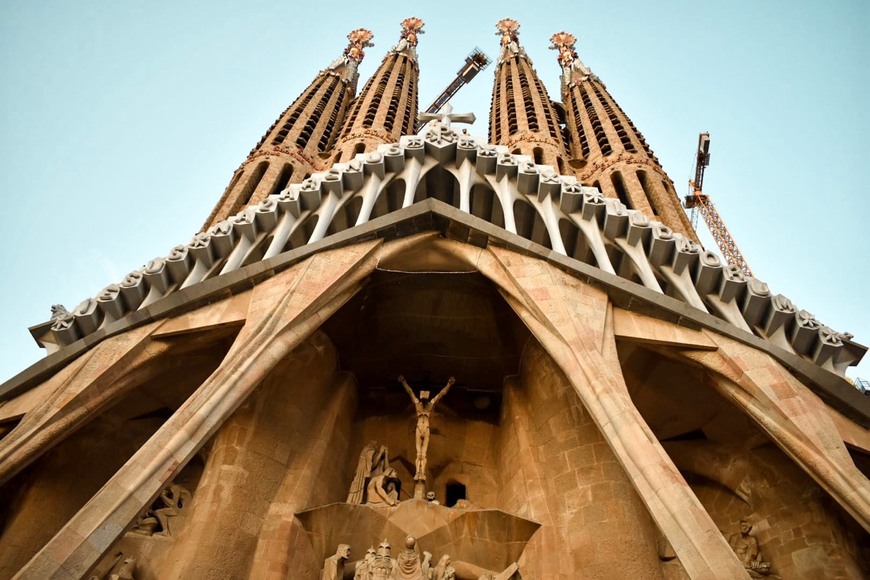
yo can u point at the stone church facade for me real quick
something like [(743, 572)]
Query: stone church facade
[(400, 355)]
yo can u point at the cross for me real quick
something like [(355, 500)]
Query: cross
[(446, 115)]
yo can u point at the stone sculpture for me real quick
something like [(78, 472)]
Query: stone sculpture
[(426, 566), (333, 567), (424, 409), (155, 522), (746, 548), (444, 566), (372, 461), (383, 488), (408, 565), (430, 497), (382, 565), (364, 569)]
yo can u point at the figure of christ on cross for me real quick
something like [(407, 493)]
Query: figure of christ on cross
[(424, 410)]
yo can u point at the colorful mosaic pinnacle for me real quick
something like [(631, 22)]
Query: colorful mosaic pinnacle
[(359, 40), (508, 27), (564, 42), (411, 28)]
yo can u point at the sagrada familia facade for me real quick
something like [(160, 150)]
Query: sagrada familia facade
[(395, 352)]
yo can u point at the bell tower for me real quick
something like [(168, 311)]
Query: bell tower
[(387, 106), (294, 146), (522, 117), (607, 151)]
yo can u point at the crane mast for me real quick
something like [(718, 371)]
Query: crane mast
[(474, 63), (698, 202)]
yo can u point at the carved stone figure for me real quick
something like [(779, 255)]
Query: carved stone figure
[(382, 565), (175, 498), (430, 497), (383, 488), (746, 548), (424, 409), (408, 565), (372, 460), (364, 569), (426, 566), (61, 318), (155, 522), (441, 569), (333, 567)]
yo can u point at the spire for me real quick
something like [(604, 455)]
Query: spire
[(386, 108), (606, 149), (301, 139), (522, 116)]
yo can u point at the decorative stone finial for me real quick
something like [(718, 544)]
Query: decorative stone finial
[(508, 29), (412, 27), (359, 40), (345, 66), (573, 68)]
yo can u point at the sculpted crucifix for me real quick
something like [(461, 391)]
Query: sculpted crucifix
[(423, 407)]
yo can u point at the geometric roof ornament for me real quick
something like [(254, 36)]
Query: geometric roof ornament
[(485, 181)]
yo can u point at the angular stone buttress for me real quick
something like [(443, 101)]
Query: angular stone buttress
[(623, 399)]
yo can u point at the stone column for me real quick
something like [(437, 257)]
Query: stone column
[(284, 311), (80, 392), (794, 418), (573, 321)]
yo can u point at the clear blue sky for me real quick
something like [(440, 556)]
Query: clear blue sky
[(122, 122)]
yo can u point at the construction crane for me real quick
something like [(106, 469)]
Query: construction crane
[(700, 203), (474, 63)]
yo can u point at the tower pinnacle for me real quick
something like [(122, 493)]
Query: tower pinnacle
[(606, 149), (412, 27), (572, 67), (386, 108), (345, 67), (522, 116), (509, 30), (296, 143)]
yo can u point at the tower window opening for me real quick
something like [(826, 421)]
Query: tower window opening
[(595, 122), (511, 103), (454, 492), (410, 120), (359, 148), (297, 108), (621, 192), (250, 187), (357, 106), (283, 179), (614, 120), (647, 186), (538, 153)]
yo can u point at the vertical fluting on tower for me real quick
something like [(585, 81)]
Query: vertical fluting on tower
[(301, 138), (522, 116), (606, 149), (386, 108)]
